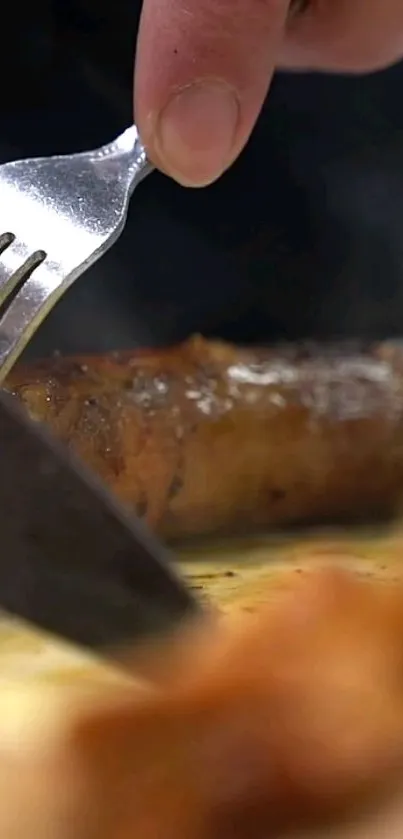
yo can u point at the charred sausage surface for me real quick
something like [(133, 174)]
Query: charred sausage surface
[(208, 438)]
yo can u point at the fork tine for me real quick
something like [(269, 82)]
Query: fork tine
[(35, 299), (16, 264), (13, 256), (5, 240)]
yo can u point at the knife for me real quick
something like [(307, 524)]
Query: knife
[(72, 560)]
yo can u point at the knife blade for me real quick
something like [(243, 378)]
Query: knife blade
[(72, 560)]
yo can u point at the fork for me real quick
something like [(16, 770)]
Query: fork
[(58, 215)]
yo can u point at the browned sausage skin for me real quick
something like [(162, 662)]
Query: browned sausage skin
[(208, 438)]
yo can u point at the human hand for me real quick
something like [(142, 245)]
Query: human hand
[(204, 67)]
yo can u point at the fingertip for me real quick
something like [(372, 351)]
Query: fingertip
[(194, 137), (203, 69)]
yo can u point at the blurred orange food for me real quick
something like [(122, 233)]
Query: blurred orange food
[(249, 728)]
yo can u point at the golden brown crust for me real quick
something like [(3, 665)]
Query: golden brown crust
[(208, 438)]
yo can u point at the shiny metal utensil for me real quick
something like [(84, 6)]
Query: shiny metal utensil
[(58, 215), (72, 560)]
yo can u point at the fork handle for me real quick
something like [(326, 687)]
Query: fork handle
[(128, 150)]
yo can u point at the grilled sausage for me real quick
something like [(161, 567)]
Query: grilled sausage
[(208, 438)]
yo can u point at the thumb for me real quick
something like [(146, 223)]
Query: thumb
[(202, 73)]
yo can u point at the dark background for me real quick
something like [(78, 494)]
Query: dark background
[(302, 239)]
